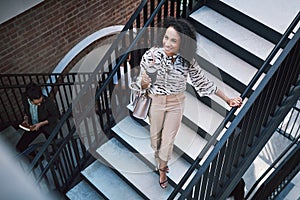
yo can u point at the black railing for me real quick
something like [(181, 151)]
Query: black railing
[(281, 177), (77, 133), (262, 188), (219, 174), (133, 39), (63, 164), (63, 155), (55, 85), (131, 42), (289, 128)]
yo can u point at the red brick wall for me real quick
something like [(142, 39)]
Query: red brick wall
[(36, 40)]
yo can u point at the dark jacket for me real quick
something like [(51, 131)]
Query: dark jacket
[(46, 111)]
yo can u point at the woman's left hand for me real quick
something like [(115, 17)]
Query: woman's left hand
[(235, 102)]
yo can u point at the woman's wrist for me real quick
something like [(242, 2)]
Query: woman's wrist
[(227, 100)]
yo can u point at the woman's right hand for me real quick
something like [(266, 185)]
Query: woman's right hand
[(146, 80)]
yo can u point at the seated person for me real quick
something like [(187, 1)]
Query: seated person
[(40, 114)]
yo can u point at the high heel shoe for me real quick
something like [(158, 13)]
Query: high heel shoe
[(163, 184)]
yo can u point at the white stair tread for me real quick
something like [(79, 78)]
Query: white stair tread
[(274, 147), (83, 191), (201, 115), (277, 14), (194, 108), (225, 60), (255, 170), (189, 141), (234, 32), (139, 138), (271, 151), (10, 135), (108, 182), (133, 169)]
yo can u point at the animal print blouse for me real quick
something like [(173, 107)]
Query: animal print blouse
[(172, 74)]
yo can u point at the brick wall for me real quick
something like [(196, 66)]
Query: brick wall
[(36, 40)]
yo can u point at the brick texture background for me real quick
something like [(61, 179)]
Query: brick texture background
[(36, 40)]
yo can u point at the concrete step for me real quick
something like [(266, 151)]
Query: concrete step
[(276, 14), (187, 140), (193, 111), (233, 32), (133, 170), (204, 116), (138, 138), (11, 137), (201, 114), (83, 191), (271, 151), (108, 182), (225, 60)]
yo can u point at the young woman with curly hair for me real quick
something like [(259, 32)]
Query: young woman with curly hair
[(164, 72)]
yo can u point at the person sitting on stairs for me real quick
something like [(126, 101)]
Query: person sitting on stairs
[(40, 114)]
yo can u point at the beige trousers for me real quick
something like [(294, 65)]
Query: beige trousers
[(165, 118)]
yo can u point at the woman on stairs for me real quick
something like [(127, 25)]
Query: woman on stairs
[(164, 72)]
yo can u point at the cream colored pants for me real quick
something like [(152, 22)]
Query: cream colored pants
[(165, 118)]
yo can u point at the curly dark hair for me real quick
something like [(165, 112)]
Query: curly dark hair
[(188, 44)]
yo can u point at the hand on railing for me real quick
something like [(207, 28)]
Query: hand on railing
[(235, 102)]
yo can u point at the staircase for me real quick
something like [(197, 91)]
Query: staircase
[(11, 136), (231, 49)]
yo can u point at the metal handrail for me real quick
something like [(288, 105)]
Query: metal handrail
[(281, 156), (66, 115), (15, 84), (109, 79), (106, 57), (233, 110)]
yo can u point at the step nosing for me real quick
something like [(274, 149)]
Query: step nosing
[(233, 32), (224, 60), (108, 178), (117, 155)]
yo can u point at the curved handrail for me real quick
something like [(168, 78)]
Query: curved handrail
[(233, 110), (110, 51)]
